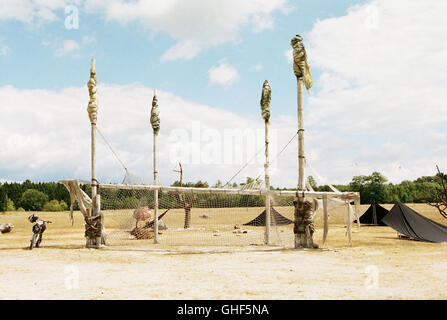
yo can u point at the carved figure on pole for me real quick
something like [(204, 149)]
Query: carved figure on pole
[(266, 97), (155, 115), (300, 65), (94, 220)]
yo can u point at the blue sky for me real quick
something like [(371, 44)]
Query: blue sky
[(131, 52), (208, 60)]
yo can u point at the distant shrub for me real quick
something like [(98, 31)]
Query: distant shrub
[(33, 200), (55, 205), (10, 205), (20, 209), (64, 206)]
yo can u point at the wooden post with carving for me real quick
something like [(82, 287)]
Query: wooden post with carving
[(155, 123), (94, 220), (304, 227), (265, 110)]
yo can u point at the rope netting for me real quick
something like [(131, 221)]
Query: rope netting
[(192, 219)]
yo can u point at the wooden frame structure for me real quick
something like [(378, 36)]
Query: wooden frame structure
[(94, 217)]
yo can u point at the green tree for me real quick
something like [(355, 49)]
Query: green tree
[(55, 205), (64, 205), (218, 184), (10, 205), (33, 200), (371, 188), (3, 200), (312, 182)]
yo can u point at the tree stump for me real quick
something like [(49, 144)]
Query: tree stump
[(304, 225)]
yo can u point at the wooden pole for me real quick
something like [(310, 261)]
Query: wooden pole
[(326, 218), (299, 242), (256, 192), (92, 222), (304, 226), (155, 192), (265, 112), (267, 186), (357, 210), (93, 162), (349, 225), (155, 123), (301, 158)]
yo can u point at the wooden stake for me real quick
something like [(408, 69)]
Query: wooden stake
[(349, 225), (326, 218), (357, 211)]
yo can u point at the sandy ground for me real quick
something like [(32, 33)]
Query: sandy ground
[(377, 266)]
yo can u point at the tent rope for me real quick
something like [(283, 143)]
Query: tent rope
[(111, 149), (279, 153), (244, 166)]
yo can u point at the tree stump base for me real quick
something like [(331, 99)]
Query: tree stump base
[(304, 225), (304, 242)]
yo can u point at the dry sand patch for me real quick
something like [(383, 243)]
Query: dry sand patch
[(406, 269)]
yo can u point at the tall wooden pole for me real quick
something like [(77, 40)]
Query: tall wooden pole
[(265, 109), (301, 157), (93, 115), (155, 192), (267, 186), (94, 220), (155, 123), (304, 226)]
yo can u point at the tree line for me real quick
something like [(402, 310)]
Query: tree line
[(52, 196), (375, 187)]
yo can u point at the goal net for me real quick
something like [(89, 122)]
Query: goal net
[(200, 216), (192, 218)]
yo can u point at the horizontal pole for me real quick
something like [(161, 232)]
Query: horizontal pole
[(261, 192)]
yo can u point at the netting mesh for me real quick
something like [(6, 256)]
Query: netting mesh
[(193, 219)]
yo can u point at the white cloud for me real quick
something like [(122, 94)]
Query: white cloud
[(4, 50), (67, 47), (257, 67), (289, 55), (29, 11), (182, 50), (50, 140), (46, 43), (196, 24), (46, 137), (383, 84), (223, 74), (86, 40)]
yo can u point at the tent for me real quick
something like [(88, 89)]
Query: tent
[(277, 219), (410, 223), (374, 215)]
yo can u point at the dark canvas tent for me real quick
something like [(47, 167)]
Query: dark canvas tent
[(277, 219), (374, 215), (410, 223)]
